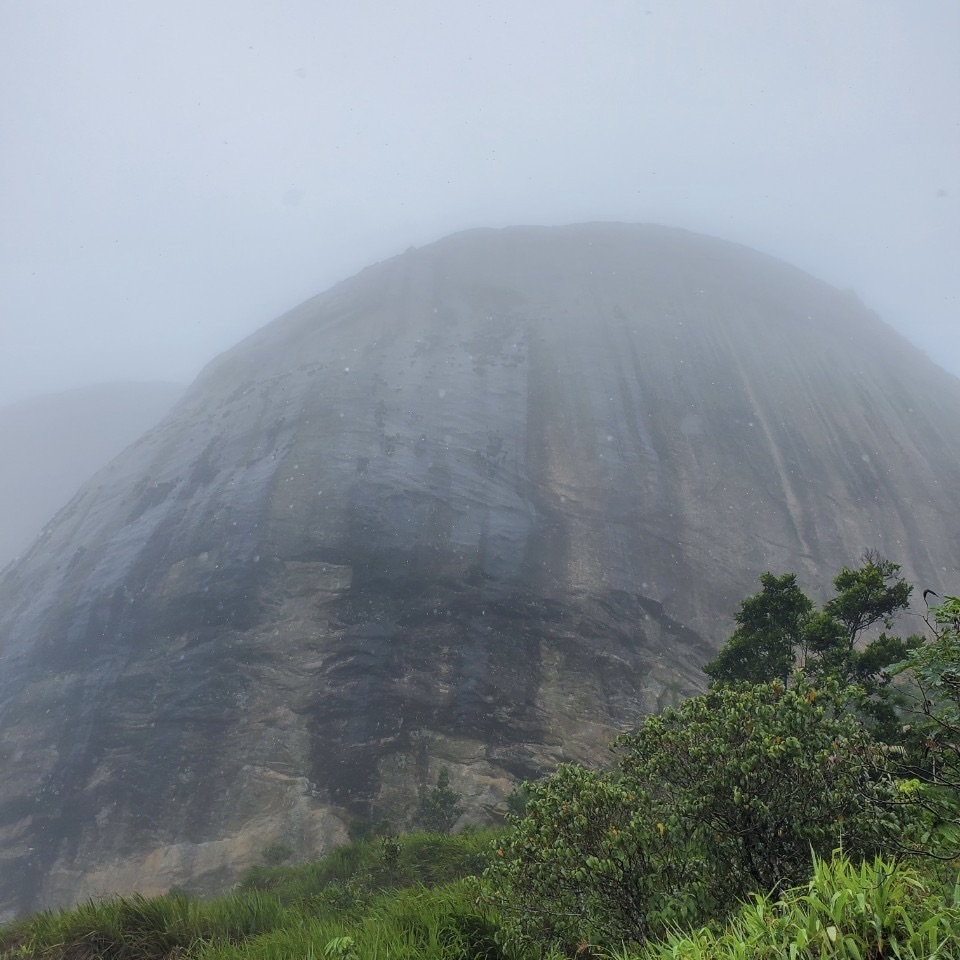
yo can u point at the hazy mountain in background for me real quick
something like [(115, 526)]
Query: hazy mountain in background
[(478, 507), (52, 443)]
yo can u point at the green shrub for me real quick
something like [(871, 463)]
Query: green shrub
[(587, 864), (439, 808), (276, 854), (933, 755), (755, 777), (722, 798)]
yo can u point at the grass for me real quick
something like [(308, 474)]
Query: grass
[(140, 928), (420, 897), (860, 911), (393, 896), (417, 923), (351, 876)]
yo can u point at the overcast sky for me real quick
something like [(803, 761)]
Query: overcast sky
[(176, 173)]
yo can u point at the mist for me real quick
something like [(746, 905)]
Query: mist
[(175, 176)]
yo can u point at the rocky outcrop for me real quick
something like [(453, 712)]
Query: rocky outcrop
[(479, 507)]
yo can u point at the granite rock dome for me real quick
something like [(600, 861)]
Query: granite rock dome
[(480, 506)]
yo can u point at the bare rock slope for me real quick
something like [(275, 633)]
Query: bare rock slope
[(480, 506)]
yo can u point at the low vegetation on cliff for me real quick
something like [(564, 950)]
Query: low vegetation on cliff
[(807, 805)]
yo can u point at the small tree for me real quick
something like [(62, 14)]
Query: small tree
[(439, 809), (869, 594), (769, 631), (779, 629)]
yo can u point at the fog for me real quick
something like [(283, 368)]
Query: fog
[(175, 175)]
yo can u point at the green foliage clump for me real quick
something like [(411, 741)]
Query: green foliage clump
[(779, 630), (585, 865), (933, 760), (415, 924), (935, 668), (759, 776), (439, 808), (276, 854), (724, 797), (770, 628), (873, 909)]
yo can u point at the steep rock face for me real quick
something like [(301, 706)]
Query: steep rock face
[(480, 506)]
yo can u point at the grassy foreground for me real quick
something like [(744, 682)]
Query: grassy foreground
[(421, 896), (409, 896)]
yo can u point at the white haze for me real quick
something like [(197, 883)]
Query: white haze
[(176, 174)]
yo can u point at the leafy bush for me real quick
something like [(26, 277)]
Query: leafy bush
[(769, 632), (933, 758), (758, 776), (587, 864), (722, 798), (445, 923)]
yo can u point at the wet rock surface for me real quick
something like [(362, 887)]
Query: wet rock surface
[(480, 506)]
